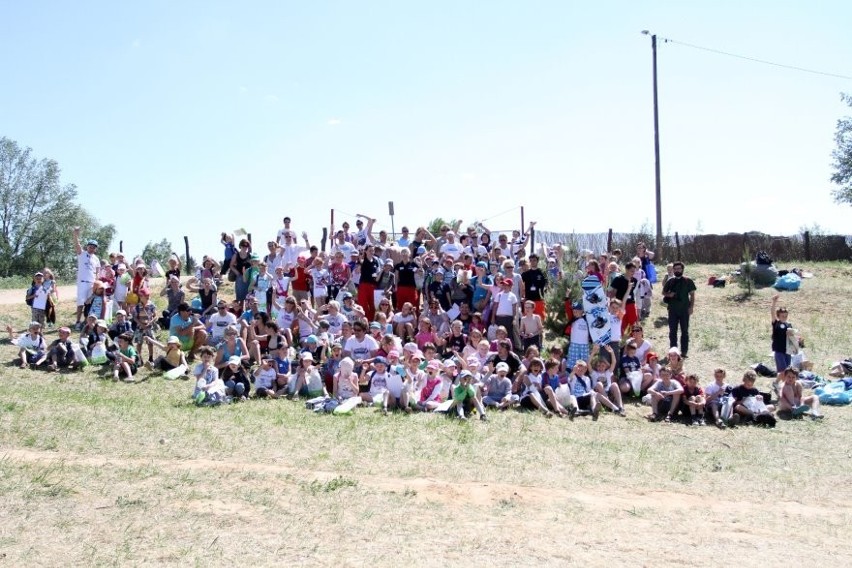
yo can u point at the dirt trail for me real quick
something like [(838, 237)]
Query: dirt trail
[(454, 492), (11, 297)]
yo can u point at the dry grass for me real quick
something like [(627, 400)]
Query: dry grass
[(94, 472)]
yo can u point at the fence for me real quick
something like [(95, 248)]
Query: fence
[(730, 248)]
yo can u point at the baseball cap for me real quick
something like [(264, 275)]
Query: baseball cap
[(380, 360), (465, 374), (235, 360), (577, 306), (433, 364), (92, 242), (449, 363), (502, 367), (311, 339), (173, 339)]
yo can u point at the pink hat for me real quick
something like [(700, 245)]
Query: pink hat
[(433, 364), (393, 353)]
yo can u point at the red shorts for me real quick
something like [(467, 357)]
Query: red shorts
[(630, 316)]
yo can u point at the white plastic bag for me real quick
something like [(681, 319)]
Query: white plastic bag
[(99, 354), (635, 378), (563, 395)]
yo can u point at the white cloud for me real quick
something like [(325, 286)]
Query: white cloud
[(136, 44), (243, 89), (469, 176), (271, 98), (333, 121)]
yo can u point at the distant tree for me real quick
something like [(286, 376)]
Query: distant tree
[(157, 251), (37, 213), (435, 225), (842, 155)]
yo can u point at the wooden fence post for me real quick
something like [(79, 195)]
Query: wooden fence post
[(609, 241), (186, 259), (807, 246), (121, 246), (677, 244), (324, 237)]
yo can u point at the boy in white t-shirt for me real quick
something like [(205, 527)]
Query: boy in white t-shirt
[(37, 296), (713, 395)]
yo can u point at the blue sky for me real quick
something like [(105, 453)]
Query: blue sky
[(189, 118)]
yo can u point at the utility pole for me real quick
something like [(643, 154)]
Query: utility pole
[(659, 244)]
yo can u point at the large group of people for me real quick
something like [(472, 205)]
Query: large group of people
[(452, 322)]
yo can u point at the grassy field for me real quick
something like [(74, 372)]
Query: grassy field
[(100, 473)]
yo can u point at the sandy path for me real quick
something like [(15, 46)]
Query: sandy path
[(9, 297)]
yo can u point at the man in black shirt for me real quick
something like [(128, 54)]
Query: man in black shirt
[(535, 281)]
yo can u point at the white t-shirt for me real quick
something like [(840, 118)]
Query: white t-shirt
[(453, 249), (335, 323), (346, 248), (379, 383), (40, 298), (363, 349), (290, 255), (642, 349), (580, 331), (614, 328), (265, 378), (476, 251), (321, 280), (87, 267), (605, 378), (218, 324), (505, 303), (283, 231), (27, 342)]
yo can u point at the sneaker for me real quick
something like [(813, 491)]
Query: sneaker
[(199, 398), (595, 413), (667, 419), (572, 412), (483, 418), (702, 422), (463, 418), (719, 424), (620, 412), (734, 421), (694, 421)]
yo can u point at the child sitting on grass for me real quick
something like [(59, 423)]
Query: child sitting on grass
[(60, 353), (31, 346), (173, 357), (665, 397), (583, 396), (126, 359), (693, 401), (464, 397), (713, 395), (235, 377), (498, 389), (265, 378), (607, 391), (209, 388), (749, 404), (791, 403)]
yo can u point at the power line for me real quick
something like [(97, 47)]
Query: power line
[(755, 60)]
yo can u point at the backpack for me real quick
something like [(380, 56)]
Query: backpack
[(30, 292), (762, 258)]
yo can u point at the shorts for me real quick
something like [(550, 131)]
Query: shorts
[(526, 402), (584, 402), (84, 290), (139, 334), (489, 401), (165, 366), (782, 361)]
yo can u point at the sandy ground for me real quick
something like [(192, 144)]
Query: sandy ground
[(11, 297)]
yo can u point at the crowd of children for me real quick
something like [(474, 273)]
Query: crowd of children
[(449, 323)]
